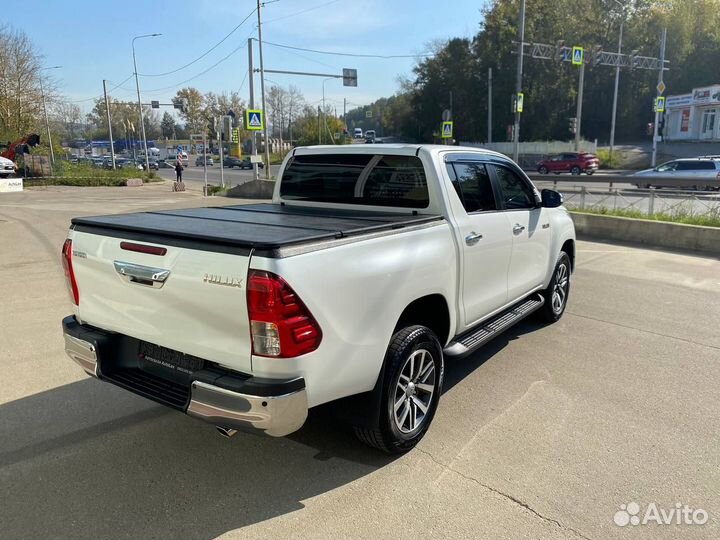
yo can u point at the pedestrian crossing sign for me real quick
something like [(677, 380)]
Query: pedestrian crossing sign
[(660, 104), (447, 129), (578, 54), (254, 120)]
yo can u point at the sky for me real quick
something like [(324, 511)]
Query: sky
[(91, 40)]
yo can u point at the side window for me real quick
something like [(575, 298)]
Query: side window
[(515, 192), (472, 183), (669, 166)]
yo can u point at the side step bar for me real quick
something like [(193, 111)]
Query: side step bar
[(487, 330)]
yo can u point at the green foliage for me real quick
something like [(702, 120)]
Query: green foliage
[(608, 161)]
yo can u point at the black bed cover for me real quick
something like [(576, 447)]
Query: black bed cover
[(260, 226)]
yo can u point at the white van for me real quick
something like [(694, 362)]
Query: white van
[(357, 133)]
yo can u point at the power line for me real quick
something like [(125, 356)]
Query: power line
[(301, 12), (203, 55), (353, 55), (95, 98)]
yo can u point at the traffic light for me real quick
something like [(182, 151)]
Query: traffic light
[(572, 125), (596, 55), (634, 60), (226, 127), (212, 126), (559, 50)]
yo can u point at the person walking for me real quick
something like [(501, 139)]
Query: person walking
[(178, 169)]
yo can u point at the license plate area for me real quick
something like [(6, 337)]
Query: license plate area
[(168, 363)]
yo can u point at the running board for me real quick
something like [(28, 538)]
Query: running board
[(480, 335)]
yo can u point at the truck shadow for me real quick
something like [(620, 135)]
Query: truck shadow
[(89, 460)]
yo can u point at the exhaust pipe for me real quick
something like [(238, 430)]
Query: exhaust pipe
[(226, 432)]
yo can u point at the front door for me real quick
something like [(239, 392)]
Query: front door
[(529, 225), (484, 238), (707, 126)]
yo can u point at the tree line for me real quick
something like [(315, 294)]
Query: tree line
[(460, 67)]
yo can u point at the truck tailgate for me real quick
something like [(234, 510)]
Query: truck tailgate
[(188, 300)]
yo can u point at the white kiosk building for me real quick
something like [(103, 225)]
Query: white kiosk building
[(694, 116)]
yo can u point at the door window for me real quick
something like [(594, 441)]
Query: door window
[(515, 192), (669, 166), (473, 186)]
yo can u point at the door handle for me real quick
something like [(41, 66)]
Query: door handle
[(517, 229), (142, 275), (473, 238)]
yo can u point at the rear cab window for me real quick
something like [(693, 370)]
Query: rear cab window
[(362, 179)]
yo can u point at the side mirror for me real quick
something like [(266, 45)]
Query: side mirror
[(551, 198)]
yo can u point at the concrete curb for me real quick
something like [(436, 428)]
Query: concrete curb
[(661, 234)]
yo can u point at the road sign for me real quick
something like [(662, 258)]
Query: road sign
[(519, 102), (446, 115), (578, 55), (660, 104), (660, 87), (235, 135), (349, 77), (156, 104), (447, 130), (368, 114), (254, 120)]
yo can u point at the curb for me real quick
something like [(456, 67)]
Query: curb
[(660, 234)]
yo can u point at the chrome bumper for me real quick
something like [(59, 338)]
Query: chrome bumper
[(277, 415)]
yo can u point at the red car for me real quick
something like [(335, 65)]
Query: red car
[(572, 162)]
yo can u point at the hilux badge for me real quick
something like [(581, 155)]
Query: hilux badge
[(215, 279)]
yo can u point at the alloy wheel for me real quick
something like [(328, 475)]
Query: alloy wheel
[(414, 391)]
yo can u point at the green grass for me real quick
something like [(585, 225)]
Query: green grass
[(609, 162), (711, 219), (69, 174)]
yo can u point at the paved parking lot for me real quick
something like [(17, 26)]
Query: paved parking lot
[(543, 434)]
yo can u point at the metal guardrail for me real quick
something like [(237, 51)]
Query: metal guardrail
[(677, 183), (646, 201)]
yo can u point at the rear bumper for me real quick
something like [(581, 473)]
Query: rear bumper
[(226, 399)]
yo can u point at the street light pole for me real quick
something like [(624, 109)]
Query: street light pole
[(262, 91), (617, 82), (324, 112), (137, 85), (107, 113), (518, 81), (47, 121)]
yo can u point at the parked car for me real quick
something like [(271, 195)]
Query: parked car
[(154, 164), (245, 163), (689, 173), (199, 161), (7, 168), (230, 161), (371, 266), (572, 162)]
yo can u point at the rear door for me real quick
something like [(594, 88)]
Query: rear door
[(484, 238), (189, 299), (529, 226)]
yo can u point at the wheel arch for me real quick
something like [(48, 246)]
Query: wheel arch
[(569, 248), (432, 311)]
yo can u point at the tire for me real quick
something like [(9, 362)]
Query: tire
[(543, 170), (554, 306), (589, 172), (406, 364), (575, 170)]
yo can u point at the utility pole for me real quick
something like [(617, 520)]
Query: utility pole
[(578, 113), (262, 91), (218, 134), (251, 80), (489, 116), (319, 132), (615, 94), (663, 39), (345, 113), (205, 160), (518, 82), (107, 112), (47, 126), (137, 85)]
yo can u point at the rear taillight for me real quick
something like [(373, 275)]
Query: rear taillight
[(280, 324), (69, 274)]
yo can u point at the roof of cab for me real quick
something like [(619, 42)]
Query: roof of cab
[(390, 148)]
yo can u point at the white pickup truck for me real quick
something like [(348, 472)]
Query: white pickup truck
[(371, 266)]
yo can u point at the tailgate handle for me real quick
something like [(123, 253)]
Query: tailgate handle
[(142, 275)]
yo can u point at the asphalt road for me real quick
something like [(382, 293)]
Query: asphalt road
[(195, 176), (542, 434)]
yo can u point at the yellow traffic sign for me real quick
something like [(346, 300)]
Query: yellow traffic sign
[(660, 104), (661, 87), (578, 55), (519, 102), (447, 130), (254, 120)]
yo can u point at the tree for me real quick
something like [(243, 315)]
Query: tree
[(20, 93), (124, 116), (194, 113), (67, 120), (167, 126)]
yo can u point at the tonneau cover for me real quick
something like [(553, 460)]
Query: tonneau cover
[(262, 226)]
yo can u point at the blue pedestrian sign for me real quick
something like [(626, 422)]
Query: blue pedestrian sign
[(254, 120), (578, 54), (447, 129)]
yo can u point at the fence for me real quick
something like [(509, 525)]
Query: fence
[(644, 201)]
